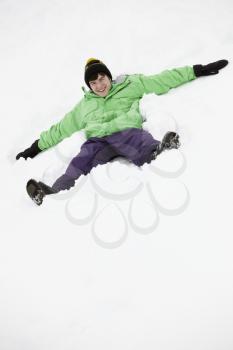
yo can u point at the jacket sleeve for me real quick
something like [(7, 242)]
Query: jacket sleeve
[(166, 80), (69, 124)]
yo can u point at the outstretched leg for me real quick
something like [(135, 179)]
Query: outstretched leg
[(94, 151), (137, 145)]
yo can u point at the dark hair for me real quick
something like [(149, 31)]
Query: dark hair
[(95, 76)]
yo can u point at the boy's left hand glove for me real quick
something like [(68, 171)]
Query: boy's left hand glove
[(209, 69)]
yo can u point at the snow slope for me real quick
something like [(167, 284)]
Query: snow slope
[(131, 258)]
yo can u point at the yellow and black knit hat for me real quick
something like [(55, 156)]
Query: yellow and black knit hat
[(95, 66)]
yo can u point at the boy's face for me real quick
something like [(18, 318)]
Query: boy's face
[(101, 85)]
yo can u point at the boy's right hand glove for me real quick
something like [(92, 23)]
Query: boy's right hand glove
[(30, 152), (209, 69)]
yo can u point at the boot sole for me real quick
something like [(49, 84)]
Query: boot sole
[(35, 192), (174, 143)]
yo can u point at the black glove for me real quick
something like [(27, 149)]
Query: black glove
[(209, 69), (30, 152)]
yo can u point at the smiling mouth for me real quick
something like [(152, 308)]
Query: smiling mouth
[(102, 90)]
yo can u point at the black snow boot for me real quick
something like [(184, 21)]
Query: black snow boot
[(38, 190), (169, 141)]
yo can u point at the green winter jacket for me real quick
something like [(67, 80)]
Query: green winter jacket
[(119, 110)]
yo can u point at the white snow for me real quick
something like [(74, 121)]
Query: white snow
[(131, 258)]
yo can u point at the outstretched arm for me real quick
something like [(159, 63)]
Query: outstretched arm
[(168, 79), (71, 123), (161, 83)]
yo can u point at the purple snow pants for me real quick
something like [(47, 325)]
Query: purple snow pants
[(136, 145)]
